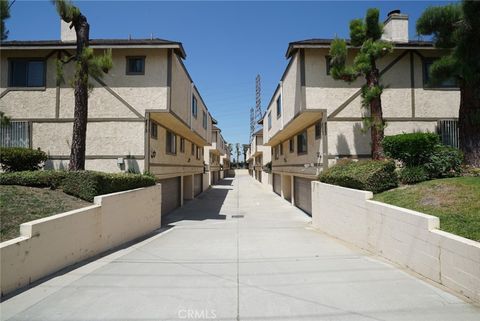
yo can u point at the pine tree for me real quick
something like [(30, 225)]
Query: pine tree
[(365, 34), (457, 27), (4, 15), (87, 64)]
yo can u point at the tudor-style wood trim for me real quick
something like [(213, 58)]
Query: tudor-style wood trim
[(6, 91), (66, 157), (358, 92), (412, 82), (70, 120), (57, 89), (394, 119), (174, 165)]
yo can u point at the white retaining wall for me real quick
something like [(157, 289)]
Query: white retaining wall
[(406, 237), (52, 243)]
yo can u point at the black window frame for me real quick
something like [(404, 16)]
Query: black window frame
[(153, 130), (279, 106), (26, 59), (281, 149), (168, 143), (291, 143), (182, 145), (205, 120), (300, 150), (194, 106), (426, 62), (135, 73), (318, 130), (328, 65), (193, 149)]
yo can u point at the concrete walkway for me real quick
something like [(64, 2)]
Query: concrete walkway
[(238, 252)]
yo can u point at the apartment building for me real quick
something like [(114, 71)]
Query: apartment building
[(214, 154), (312, 120), (258, 156), (145, 114)]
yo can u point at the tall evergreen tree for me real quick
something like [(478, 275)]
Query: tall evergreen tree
[(87, 64), (4, 15), (365, 34), (457, 27)]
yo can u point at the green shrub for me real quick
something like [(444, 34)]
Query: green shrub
[(375, 176), (411, 148), (50, 178), (413, 174), (444, 161), (88, 184), (16, 159)]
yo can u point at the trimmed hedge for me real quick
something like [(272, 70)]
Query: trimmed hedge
[(413, 174), (370, 175), (16, 159), (50, 178), (88, 184), (445, 161), (411, 149), (82, 184)]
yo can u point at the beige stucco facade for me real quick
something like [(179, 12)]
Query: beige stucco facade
[(258, 156)]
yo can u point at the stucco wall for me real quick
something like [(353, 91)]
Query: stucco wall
[(50, 244), (406, 237)]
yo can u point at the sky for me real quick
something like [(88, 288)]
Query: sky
[(227, 42)]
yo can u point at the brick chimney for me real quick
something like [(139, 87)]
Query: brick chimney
[(67, 34), (396, 27)]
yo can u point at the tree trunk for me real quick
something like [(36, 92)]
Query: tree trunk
[(377, 123), (77, 153), (469, 124)]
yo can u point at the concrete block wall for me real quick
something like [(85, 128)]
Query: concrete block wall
[(408, 238), (50, 244)]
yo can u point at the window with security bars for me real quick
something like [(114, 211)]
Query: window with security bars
[(448, 132), (15, 134)]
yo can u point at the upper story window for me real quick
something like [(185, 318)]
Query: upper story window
[(171, 143), (318, 130), (292, 145), (182, 145), (269, 120), (205, 118), (199, 152), (448, 83), (136, 65), (281, 148), (27, 73), (277, 151), (153, 130), (279, 106), (302, 144), (328, 64), (194, 148), (194, 107)]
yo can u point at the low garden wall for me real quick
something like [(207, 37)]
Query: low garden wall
[(408, 238), (49, 244)]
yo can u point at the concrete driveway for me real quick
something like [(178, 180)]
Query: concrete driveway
[(238, 252)]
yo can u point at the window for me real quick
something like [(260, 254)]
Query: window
[(328, 64), (27, 73), (448, 132), (205, 120), (279, 106), (269, 120), (135, 65), (318, 130), (277, 152), (182, 145), (15, 134), (199, 152), (153, 130), (194, 107), (292, 145), (448, 83), (193, 149), (302, 143), (281, 148), (171, 143)]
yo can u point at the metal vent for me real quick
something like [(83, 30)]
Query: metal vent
[(448, 131)]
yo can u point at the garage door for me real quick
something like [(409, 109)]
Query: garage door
[(259, 176), (197, 184), (277, 184), (303, 194), (170, 194)]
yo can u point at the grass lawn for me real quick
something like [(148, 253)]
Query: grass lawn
[(456, 201), (20, 204)]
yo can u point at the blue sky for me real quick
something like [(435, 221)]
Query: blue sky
[(227, 42)]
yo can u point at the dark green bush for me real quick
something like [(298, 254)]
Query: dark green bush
[(88, 184), (413, 174), (52, 179), (375, 176), (411, 149), (444, 161), (16, 159)]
